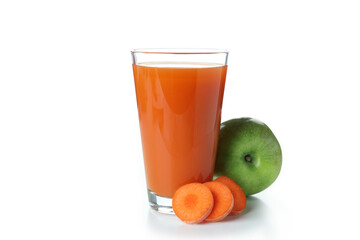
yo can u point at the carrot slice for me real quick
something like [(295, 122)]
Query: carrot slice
[(223, 201), (237, 192), (192, 203)]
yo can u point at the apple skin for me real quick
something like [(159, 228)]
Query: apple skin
[(249, 153)]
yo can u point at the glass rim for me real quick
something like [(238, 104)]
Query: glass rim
[(179, 50)]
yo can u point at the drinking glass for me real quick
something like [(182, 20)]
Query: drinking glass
[(179, 95)]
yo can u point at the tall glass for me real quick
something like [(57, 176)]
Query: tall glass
[(179, 96)]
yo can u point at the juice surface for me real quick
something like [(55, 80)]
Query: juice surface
[(179, 112)]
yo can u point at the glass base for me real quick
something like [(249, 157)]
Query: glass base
[(160, 204)]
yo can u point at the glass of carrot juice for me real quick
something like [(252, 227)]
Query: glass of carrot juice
[(179, 96)]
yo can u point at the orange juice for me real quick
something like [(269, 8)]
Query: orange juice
[(179, 109)]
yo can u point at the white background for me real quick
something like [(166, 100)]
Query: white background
[(70, 151)]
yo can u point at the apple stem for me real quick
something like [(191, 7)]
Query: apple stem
[(248, 158)]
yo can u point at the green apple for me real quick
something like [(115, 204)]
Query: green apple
[(249, 153)]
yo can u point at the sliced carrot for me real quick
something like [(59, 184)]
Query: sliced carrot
[(223, 201), (237, 192), (192, 203)]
